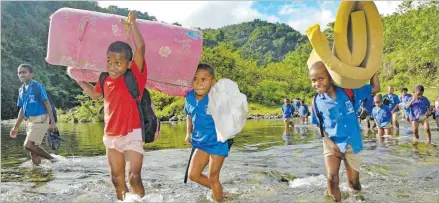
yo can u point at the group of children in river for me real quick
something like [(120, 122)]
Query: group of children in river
[(382, 111), (333, 110)]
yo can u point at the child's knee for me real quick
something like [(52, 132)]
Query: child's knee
[(194, 177), (118, 179), (134, 178), (333, 179), (213, 178)]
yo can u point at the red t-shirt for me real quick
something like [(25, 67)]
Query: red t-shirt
[(121, 114)]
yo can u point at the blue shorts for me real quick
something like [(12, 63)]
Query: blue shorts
[(219, 148)]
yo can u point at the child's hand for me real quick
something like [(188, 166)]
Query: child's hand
[(188, 139), (132, 18), (13, 132), (338, 153)]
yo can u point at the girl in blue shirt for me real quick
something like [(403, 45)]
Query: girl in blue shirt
[(201, 133), (382, 116), (419, 112)]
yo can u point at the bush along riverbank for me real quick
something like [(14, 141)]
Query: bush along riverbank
[(168, 108)]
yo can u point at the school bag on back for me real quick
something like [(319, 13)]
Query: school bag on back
[(148, 119), (38, 96)]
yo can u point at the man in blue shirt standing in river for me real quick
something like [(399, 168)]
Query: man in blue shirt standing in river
[(37, 111)]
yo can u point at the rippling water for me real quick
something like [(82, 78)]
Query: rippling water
[(265, 165)]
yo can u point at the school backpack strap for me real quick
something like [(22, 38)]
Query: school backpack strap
[(49, 99), (102, 77), (350, 94), (37, 92), (315, 111)]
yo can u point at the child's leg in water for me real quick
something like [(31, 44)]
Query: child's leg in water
[(380, 134), (198, 162), (116, 160), (415, 126), (332, 164), (427, 131), (353, 177), (395, 122), (135, 159), (215, 164)]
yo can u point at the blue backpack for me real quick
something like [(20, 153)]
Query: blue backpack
[(38, 96)]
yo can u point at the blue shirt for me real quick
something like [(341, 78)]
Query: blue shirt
[(287, 110), (297, 105), (203, 126), (393, 101), (303, 110), (418, 108), (339, 117), (29, 101), (382, 115), (404, 101)]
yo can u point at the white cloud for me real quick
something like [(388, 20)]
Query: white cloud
[(387, 7), (215, 14), (203, 14), (306, 16), (272, 19), (288, 9)]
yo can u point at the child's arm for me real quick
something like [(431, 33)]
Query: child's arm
[(89, 89), (375, 83), (139, 53), (20, 118), (188, 129), (414, 98)]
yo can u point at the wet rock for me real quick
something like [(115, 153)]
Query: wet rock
[(73, 110), (84, 120), (173, 118)]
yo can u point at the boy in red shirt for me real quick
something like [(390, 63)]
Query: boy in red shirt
[(123, 135)]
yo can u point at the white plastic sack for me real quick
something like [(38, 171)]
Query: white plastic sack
[(228, 107)]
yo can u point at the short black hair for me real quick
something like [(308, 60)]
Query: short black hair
[(420, 88), (121, 47), (404, 89), (206, 67), (27, 66)]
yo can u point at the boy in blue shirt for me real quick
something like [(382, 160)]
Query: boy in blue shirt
[(419, 113), (336, 114), (383, 117), (37, 111), (393, 105), (303, 112), (287, 114), (201, 133), (405, 99)]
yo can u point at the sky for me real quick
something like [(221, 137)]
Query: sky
[(215, 14)]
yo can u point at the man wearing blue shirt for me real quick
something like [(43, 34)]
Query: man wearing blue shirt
[(37, 111), (393, 105)]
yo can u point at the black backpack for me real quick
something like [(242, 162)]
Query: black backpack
[(148, 119), (38, 95)]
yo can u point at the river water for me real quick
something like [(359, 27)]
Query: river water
[(265, 164)]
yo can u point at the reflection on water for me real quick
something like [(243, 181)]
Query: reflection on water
[(266, 164)]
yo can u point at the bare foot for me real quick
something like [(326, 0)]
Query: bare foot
[(35, 159)]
